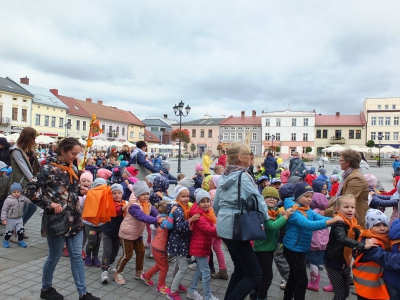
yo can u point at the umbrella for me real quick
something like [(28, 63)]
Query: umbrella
[(334, 148), (129, 144), (101, 143), (388, 149), (44, 139), (117, 144), (12, 137)]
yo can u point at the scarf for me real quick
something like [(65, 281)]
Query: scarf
[(145, 206), (186, 210), (384, 239), (347, 252), (67, 169), (301, 209), (273, 213), (210, 216), (344, 175)]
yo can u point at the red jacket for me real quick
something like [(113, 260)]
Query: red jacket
[(334, 189), (309, 178), (222, 160), (203, 231)]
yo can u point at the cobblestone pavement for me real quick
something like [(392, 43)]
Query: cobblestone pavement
[(21, 269)]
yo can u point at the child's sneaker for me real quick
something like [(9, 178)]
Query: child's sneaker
[(119, 279), (96, 262), (51, 294), (195, 295), (192, 266), (104, 277), (182, 289), (65, 252), (88, 261), (174, 296), (163, 289), (6, 244), (146, 280), (213, 298), (22, 244)]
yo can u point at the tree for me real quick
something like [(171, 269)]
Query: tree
[(308, 150), (370, 144), (193, 147), (278, 149)]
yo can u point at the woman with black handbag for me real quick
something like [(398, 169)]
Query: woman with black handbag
[(55, 189), (234, 185)]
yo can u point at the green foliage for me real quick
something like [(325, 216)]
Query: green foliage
[(305, 159), (278, 149), (308, 149), (370, 144), (193, 147)]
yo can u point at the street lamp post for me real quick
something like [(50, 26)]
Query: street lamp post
[(380, 136), (178, 110), (67, 126)]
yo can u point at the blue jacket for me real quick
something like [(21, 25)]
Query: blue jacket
[(299, 229), (396, 164), (157, 162), (384, 201), (198, 180), (171, 178), (270, 166), (137, 157), (393, 276), (226, 199)]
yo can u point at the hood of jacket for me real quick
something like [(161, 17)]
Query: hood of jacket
[(270, 158), (136, 151), (317, 185), (230, 177), (394, 232)]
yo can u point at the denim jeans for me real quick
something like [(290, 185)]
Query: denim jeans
[(29, 210), (203, 272), (247, 272), (182, 264), (74, 245), (394, 294)]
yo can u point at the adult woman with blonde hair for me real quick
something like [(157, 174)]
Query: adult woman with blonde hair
[(247, 272), (207, 161), (24, 165)]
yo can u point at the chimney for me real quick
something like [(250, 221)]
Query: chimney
[(100, 102), (337, 114), (165, 116), (24, 80), (54, 92), (253, 113), (243, 114), (89, 100)]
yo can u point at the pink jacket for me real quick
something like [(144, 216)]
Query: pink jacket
[(285, 176), (320, 238)]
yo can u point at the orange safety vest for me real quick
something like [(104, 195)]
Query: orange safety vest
[(368, 279)]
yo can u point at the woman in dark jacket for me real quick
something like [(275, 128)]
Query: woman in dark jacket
[(270, 165), (5, 151), (55, 189)]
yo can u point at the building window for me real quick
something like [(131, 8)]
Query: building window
[(225, 136), (37, 122), (305, 122), (70, 123), (380, 121), (267, 136), (78, 125), (338, 134), (395, 120), (240, 128), (117, 130), (351, 134), (61, 122), (202, 133), (131, 134), (15, 113), (294, 122), (387, 121), (1, 111), (253, 149), (278, 122), (193, 132), (255, 128), (373, 120), (387, 136), (103, 128), (123, 131), (395, 136), (379, 106), (233, 136), (110, 131), (278, 136), (46, 120), (305, 136), (267, 122), (325, 134), (318, 136), (240, 136), (393, 106), (210, 133), (386, 106), (53, 121), (254, 136), (358, 134), (293, 136), (24, 115), (153, 128), (373, 136), (226, 127), (83, 125), (246, 128)]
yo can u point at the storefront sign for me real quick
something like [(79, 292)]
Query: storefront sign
[(17, 127), (49, 134)]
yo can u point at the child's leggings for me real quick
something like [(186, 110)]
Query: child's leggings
[(127, 247), (94, 235), (340, 280), (217, 243), (181, 265), (296, 285), (161, 265), (148, 229), (110, 251)]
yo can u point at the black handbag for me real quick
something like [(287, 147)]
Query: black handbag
[(55, 225), (248, 225)]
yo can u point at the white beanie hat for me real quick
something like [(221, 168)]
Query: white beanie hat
[(200, 194), (375, 216)]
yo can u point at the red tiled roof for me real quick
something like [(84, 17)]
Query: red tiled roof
[(130, 117), (149, 137), (345, 120), (254, 121), (75, 108), (103, 112)]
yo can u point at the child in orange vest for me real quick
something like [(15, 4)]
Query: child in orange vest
[(342, 239), (369, 265)]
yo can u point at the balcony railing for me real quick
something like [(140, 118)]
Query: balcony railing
[(337, 140), (5, 121)]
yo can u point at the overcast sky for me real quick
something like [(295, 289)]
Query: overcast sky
[(220, 57)]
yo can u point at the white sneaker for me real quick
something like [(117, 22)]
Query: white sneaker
[(104, 277), (192, 266), (213, 298), (194, 296)]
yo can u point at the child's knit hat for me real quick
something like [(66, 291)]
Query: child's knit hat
[(165, 164), (322, 171), (319, 201), (286, 191), (375, 216), (131, 171), (99, 181), (87, 175), (215, 179), (150, 178), (117, 187), (285, 167), (133, 180), (317, 185), (270, 192), (123, 164), (312, 170), (104, 173), (335, 177), (140, 188), (200, 194), (199, 167), (335, 170), (179, 189), (205, 185), (3, 167), (300, 189), (186, 182), (371, 180), (16, 186), (160, 184)]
